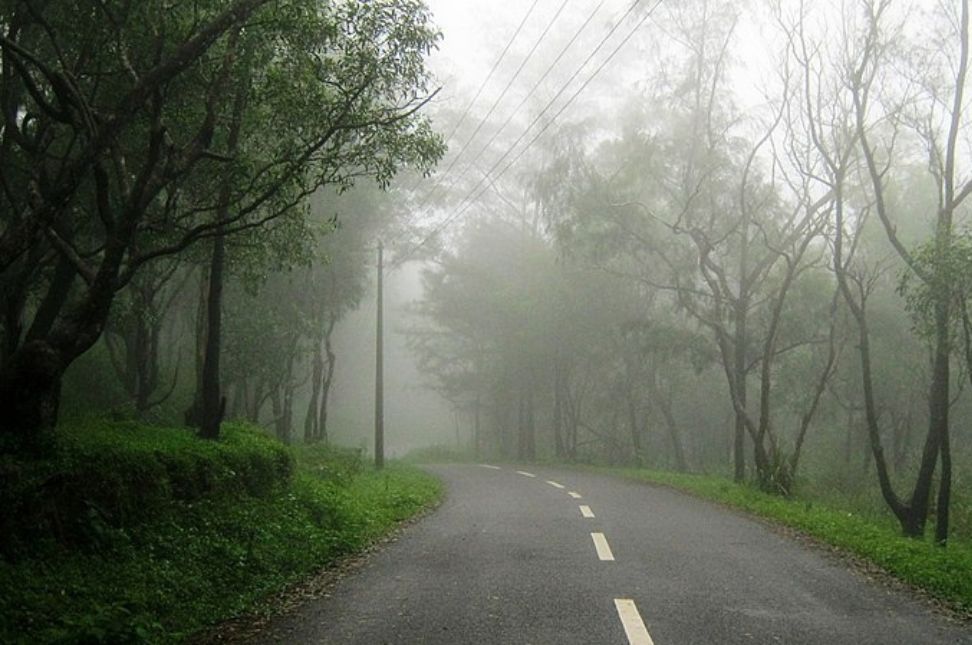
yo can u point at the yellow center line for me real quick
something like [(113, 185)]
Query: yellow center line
[(586, 511), (602, 548), (525, 473), (634, 626)]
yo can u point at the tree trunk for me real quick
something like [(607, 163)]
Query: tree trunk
[(312, 420), (193, 414), (257, 399), (276, 406), (212, 403), (739, 374), (913, 515), (30, 393), (680, 462), (944, 493), (520, 427), (477, 438), (633, 427), (328, 380), (57, 295), (938, 408), (531, 437), (238, 407), (558, 413), (664, 404)]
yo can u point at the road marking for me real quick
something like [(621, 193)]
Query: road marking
[(634, 627), (586, 511), (491, 467), (555, 484), (525, 473), (574, 495), (601, 545)]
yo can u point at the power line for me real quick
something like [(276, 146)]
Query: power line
[(470, 198), (533, 89), (587, 82), (560, 92), (513, 78), (537, 85), (482, 86)]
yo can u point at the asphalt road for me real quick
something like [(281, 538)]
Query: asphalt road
[(510, 558)]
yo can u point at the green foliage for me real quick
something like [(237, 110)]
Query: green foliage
[(330, 463), (949, 269), (944, 573), (231, 522), (107, 477)]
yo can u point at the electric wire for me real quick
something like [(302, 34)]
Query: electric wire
[(530, 93), (482, 86), (473, 195), (560, 92), (516, 74), (533, 89)]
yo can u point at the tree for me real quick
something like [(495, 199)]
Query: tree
[(856, 116), (105, 177), (133, 333)]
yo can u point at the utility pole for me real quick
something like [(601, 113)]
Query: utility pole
[(379, 377)]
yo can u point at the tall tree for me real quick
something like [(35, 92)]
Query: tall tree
[(104, 177)]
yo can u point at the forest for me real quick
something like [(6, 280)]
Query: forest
[(701, 251), (780, 294)]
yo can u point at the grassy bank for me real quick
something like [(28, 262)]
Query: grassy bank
[(945, 574), (138, 534)]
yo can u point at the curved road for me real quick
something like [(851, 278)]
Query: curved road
[(569, 557)]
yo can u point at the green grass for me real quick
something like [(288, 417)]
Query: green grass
[(945, 574), (151, 534)]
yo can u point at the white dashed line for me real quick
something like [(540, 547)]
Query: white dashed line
[(634, 626), (555, 484), (586, 511), (601, 545), (574, 495), (525, 473), (490, 466)]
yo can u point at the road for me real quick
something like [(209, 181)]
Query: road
[(549, 556)]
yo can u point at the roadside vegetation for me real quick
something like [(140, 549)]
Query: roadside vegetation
[(135, 533), (942, 573)]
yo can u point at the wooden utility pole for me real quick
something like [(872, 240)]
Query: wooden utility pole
[(379, 377)]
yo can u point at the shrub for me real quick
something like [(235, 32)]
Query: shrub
[(108, 476)]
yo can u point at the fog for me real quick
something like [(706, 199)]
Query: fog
[(278, 275), (415, 415), (708, 236)]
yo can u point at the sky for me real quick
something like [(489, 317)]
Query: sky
[(564, 33), (475, 32)]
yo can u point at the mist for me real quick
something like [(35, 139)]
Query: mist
[(416, 416), (279, 276)]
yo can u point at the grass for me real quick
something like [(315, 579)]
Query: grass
[(945, 574), (149, 534)]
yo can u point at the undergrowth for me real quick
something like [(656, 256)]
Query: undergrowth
[(150, 534)]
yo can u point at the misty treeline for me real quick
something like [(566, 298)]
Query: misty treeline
[(781, 292), (190, 191)]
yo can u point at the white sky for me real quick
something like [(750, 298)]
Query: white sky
[(474, 35), (475, 32)]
